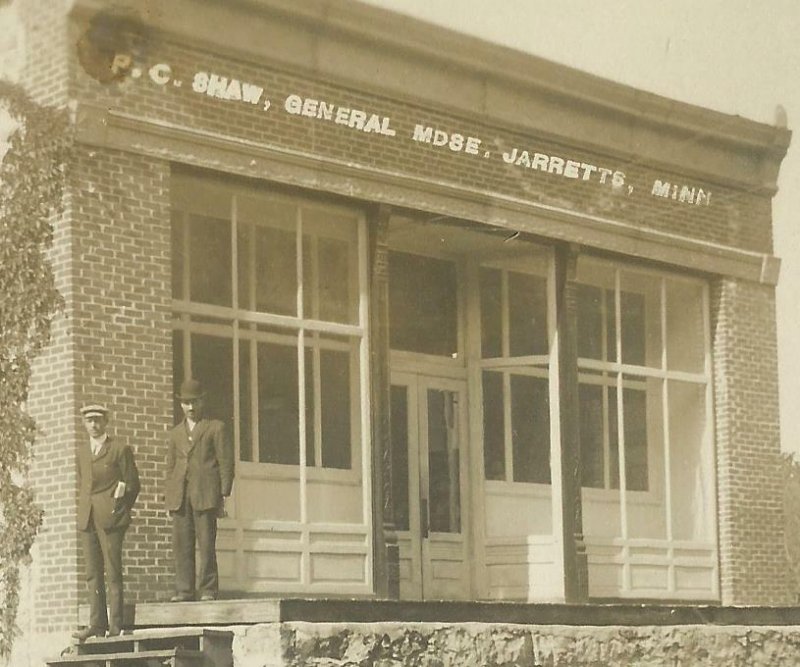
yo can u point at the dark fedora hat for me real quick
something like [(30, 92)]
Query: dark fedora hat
[(191, 389)]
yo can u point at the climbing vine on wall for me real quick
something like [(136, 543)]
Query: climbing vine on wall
[(35, 140)]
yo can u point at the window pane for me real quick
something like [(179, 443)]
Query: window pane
[(610, 310), (178, 251), (310, 279), (400, 473), (311, 422), (245, 412), (635, 415), (530, 422), (177, 374), (685, 334), (491, 313), (278, 416), (632, 317), (641, 319), (613, 437), (494, 453), (335, 293), (444, 490), (212, 364), (422, 304), (335, 380), (635, 412), (276, 270), (244, 259), (527, 314), (691, 460), (210, 260), (591, 428), (590, 322)]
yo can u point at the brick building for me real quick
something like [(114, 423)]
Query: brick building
[(483, 327)]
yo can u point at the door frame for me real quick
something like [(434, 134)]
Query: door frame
[(419, 379)]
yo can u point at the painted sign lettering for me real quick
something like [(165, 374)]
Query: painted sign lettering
[(353, 118), (454, 140), (684, 194)]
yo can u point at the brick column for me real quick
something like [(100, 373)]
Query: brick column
[(751, 538), (122, 335)]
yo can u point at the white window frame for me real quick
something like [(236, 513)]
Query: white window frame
[(230, 321)]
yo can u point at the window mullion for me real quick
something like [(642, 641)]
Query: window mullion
[(301, 380), (254, 412), (665, 416), (508, 449), (317, 379), (620, 408), (507, 427)]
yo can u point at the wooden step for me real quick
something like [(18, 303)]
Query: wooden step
[(174, 657), (208, 640)]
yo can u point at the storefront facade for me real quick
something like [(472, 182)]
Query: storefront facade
[(482, 327)]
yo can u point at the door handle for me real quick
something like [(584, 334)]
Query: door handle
[(423, 517)]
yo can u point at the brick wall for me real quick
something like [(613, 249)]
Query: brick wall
[(752, 556), (112, 344), (46, 73), (54, 575), (122, 338)]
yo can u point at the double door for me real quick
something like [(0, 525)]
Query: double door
[(430, 471)]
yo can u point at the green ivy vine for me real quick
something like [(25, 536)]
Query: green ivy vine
[(32, 176)]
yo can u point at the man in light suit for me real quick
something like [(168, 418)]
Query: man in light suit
[(108, 484), (199, 477)]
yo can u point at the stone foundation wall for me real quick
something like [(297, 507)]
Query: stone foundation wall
[(481, 644)]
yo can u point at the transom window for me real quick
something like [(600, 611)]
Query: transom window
[(423, 304), (268, 314)]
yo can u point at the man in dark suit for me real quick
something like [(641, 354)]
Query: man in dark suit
[(108, 484), (199, 477)]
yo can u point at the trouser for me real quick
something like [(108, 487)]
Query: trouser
[(188, 526), (102, 551)]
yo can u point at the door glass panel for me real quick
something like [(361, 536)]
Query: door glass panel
[(399, 411), (443, 462)]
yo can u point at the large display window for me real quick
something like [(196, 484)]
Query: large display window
[(269, 311)]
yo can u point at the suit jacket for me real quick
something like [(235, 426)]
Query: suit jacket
[(97, 481), (200, 465)]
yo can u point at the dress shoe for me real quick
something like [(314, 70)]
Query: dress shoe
[(83, 635), (181, 597), (207, 597)]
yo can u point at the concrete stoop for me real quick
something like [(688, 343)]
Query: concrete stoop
[(299, 644), (380, 633)]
